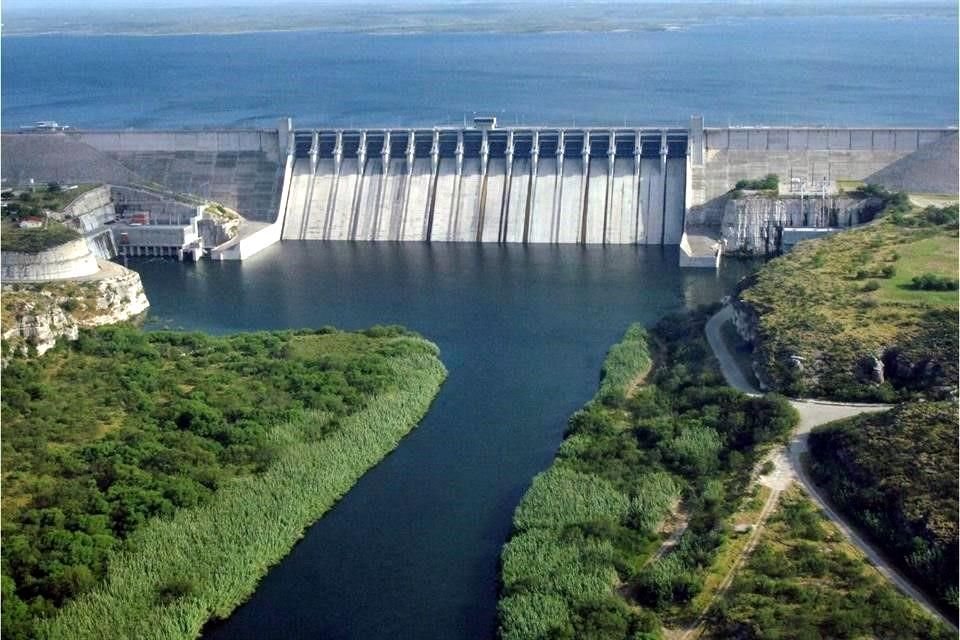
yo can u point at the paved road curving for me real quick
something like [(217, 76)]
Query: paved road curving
[(814, 413)]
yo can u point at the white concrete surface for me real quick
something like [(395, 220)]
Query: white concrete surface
[(542, 212), (519, 188), (621, 220), (316, 216), (369, 194), (444, 204), (468, 215), (342, 213), (571, 201), (391, 203), (651, 198), (297, 203), (493, 202), (70, 260), (674, 205), (596, 200), (415, 218)]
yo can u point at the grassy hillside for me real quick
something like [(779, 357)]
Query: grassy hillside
[(150, 479), (895, 475), (583, 561), (803, 580), (33, 204), (869, 313)]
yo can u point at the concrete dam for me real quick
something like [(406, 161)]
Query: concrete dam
[(485, 183), (531, 185)]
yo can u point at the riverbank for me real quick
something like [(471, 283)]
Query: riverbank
[(589, 557), (258, 465)]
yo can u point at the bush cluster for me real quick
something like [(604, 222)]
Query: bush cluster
[(590, 521), (103, 436), (801, 582), (770, 182), (895, 474), (933, 282)]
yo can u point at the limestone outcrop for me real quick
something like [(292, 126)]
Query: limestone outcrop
[(37, 315)]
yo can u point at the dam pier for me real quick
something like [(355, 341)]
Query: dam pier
[(514, 184)]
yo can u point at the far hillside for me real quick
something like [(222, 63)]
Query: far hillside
[(895, 475), (867, 314)]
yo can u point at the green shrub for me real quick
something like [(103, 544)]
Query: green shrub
[(560, 497), (770, 182), (933, 282), (626, 359)]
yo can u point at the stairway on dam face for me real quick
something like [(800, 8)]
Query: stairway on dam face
[(578, 186)]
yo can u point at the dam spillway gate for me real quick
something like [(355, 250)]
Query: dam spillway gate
[(517, 185)]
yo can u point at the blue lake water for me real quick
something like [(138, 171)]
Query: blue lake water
[(830, 70), (412, 550)]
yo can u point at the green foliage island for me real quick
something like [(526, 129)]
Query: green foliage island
[(663, 435), (895, 475), (805, 581), (866, 314), (150, 479)]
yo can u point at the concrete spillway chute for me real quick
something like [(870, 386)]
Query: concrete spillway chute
[(314, 151), (558, 186), (358, 185), (585, 177), (638, 229)]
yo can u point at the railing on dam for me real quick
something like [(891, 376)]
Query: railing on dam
[(515, 184)]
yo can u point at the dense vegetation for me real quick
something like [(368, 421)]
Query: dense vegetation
[(803, 581), (150, 479), (770, 182), (51, 234), (581, 556), (843, 317), (895, 475), (34, 204)]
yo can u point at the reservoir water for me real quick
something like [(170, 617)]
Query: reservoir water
[(412, 550), (854, 71)]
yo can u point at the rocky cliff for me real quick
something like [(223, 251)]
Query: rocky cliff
[(752, 224), (34, 316)]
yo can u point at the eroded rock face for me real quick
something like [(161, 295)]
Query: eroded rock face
[(752, 225), (38, 315)]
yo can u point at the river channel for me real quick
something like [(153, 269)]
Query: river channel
[(412, 550)]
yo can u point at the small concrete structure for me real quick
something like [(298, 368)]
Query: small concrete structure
[(699, 249)]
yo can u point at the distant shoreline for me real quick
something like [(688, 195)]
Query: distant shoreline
[(328, 30), (497, 22)]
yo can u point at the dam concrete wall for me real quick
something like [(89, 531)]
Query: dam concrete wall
[(240, 168), (815, 155), (475, 184), (516, 185), (69, 260)]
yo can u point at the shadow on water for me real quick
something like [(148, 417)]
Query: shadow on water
[(412, 550)]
